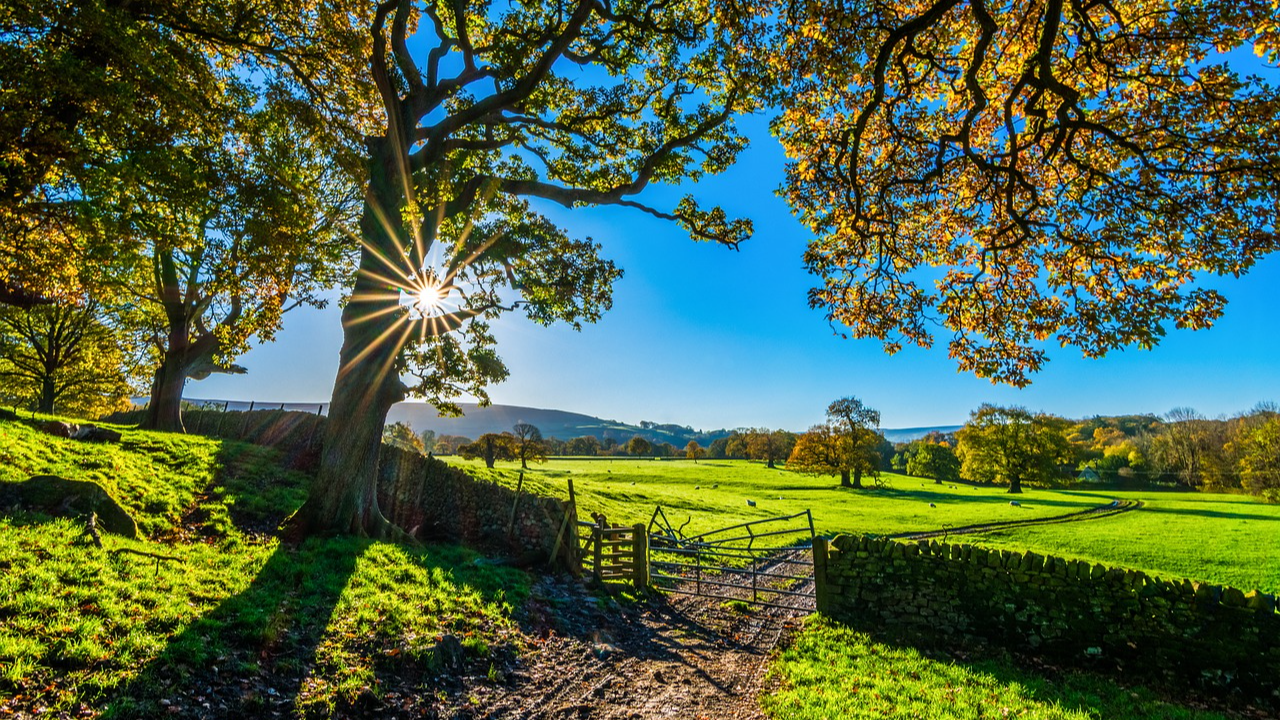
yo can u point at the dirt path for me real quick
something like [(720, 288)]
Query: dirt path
[(1111, 509), (675, 656)]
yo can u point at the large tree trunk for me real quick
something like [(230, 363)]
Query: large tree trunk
[(164, 411), (844, 479), (344, 496), (770, 464), (857, 479), (1015, 485)]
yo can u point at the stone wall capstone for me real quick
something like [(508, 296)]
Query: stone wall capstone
[(1215, 638)]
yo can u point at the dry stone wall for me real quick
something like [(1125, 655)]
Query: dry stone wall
[(1213, 637), (436, 501)]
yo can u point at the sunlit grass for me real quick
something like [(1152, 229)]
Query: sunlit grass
[(83, 629), (834, 672), (1218, 538)]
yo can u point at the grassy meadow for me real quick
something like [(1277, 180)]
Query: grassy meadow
[(833, 672), (1227, 539), (237, 624)]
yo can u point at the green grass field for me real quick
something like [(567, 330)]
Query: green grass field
[(834, 672), (1228, 539), (84, 630)]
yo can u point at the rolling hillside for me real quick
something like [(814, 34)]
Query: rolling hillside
[(561, 424)]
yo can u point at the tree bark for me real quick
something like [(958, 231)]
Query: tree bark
[(844, 479), (857, 479), (48, 393), (344, 495), (1015, 486), (770, 464), (164, 411)]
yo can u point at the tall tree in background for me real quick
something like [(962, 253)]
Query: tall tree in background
[(860, 424), (231, 232), (528, 445), (1073, 171), (926, 459), (489, 447), (64, 358), (1259, 449), (824, 450), (1012, 445), (772, 446), (638, 446), (401, 435), (575, 103)]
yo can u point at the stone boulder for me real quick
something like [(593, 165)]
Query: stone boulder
[(61, 497)]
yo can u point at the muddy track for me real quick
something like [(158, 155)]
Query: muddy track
[(1115, 507), (673, 656)]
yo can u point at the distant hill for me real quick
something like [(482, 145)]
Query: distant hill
[(899, 435), (477, 421)]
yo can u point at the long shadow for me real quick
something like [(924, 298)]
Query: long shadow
[(249, 656)]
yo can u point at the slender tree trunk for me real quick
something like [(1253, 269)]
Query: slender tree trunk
[(344, 495)]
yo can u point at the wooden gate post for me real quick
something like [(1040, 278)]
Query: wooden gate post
[(820, 591), (640, 546), (597, 542)]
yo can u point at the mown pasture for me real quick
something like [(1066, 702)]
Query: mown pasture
[(1227, 539)]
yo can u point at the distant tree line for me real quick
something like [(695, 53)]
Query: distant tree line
[(1009, 446)]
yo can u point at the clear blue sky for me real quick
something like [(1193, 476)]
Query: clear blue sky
[(704, 336)]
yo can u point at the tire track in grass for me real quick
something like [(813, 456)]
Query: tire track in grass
[(1111, 509)]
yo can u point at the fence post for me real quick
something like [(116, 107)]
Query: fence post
[(640, 546), (244, 426), (597, 538), (821, 597)]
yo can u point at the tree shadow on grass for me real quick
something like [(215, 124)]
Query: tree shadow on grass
[(975, 675), (249, 656)]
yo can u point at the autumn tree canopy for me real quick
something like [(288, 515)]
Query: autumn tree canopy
[(64, 358), (1012, 445), (1017, 174)]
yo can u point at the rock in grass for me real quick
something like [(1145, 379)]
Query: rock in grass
[(59, 496)]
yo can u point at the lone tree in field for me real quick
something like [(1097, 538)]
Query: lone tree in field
[(1051, 171), (490, 447), (772, 446), (575, 103), (860, 425), (1012, 445), (528, 445), (693, 451), (926, 459), (823, 450)]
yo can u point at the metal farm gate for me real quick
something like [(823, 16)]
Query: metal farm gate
[(764, 562)]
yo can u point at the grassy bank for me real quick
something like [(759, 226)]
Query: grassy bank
[(231, 621)]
